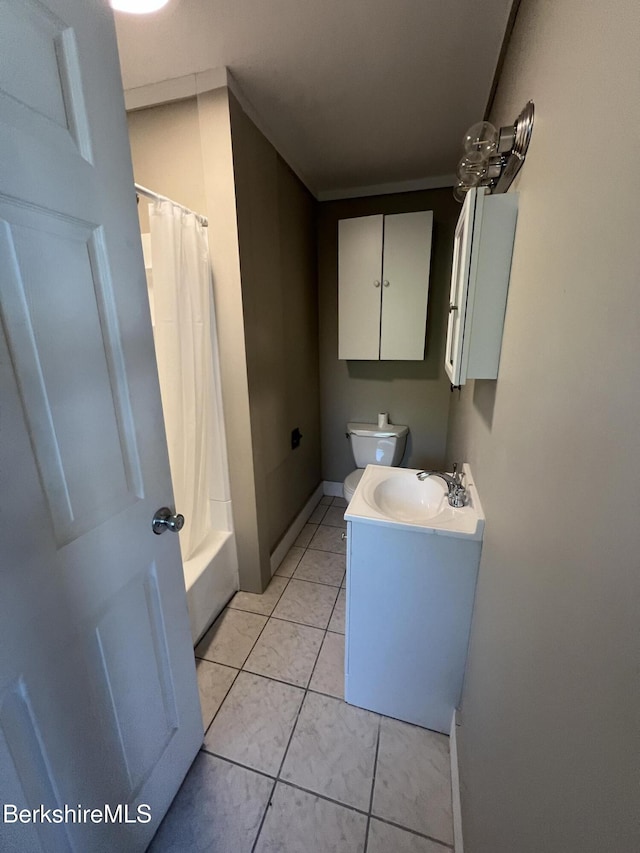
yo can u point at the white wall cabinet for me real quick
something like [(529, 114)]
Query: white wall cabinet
[(482, 250), (383, 286)]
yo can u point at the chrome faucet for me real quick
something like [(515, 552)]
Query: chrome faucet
[(457, 493)]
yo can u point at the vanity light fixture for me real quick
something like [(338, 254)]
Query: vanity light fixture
[(138, 7), (492, 158)]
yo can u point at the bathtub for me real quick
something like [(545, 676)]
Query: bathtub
[(211, 578)]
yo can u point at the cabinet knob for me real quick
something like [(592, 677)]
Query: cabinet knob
[(376, 283), (452, 308), (386, 283)]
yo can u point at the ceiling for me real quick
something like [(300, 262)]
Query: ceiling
[(353, 93)]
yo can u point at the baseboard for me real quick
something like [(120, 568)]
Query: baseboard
[(333, 489), (292, 533), (455, 786)]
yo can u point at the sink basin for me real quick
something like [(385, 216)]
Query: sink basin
[(409, 500), (395, 497)]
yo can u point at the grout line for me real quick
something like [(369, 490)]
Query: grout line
[(281, 681), (373, 785), (237, 763), (322, 797), (327, 550), (264, 816), (292, 578), (319, 583), (333, 610), (223, 698), (413, 831)]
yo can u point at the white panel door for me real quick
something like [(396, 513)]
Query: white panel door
[(405, 291), (359, 287), (98, 698)]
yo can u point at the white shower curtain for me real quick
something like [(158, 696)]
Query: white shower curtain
[(182, 308)]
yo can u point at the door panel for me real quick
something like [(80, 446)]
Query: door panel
[(407, 258), (63, 335), (98, 697), (359, 287)]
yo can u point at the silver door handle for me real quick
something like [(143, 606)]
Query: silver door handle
[(164, 519)]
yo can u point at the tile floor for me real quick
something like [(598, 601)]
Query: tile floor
[(286, 765)]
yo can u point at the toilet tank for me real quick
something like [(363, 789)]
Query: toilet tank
[(372, 445)]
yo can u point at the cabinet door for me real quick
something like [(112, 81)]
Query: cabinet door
[(459, 283), (406, 260), (359, 287)]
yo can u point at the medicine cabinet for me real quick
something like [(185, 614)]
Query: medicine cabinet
[(482, 250)]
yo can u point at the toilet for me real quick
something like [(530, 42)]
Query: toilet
[(378, 444)]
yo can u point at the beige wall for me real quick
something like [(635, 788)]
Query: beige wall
[(167, 157), (183, 150), (550, 736), (276, 227), (413, 392)]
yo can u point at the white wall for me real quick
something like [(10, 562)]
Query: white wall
[(550, 741)]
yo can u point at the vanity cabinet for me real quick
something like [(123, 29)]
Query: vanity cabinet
[(410, 598), (383, 286), (482, 250)]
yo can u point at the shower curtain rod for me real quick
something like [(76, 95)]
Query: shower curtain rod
[(157, 197)]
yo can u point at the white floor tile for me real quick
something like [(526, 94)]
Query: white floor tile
[(254, 724), (218, 807), (413, 779), (262, 603), (288, 566), (305, 536), (329, 539), (328, 676), (334, 517), (298, 822), (286, 651), (321, 567), (389, 839), (309, 603), (332, 751), (337, 623), (214, 681), (318, 514), (231, 637)]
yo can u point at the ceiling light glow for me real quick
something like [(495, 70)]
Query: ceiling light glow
[(138, 7)]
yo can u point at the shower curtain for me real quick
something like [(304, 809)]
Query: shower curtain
[(182, 309)]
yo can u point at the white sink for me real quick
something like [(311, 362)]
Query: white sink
[(395, 496)]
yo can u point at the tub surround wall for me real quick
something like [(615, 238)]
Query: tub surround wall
[(413, 392), (549, 742), (277, 241)]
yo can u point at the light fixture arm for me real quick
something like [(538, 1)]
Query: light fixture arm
[(494, 157)]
